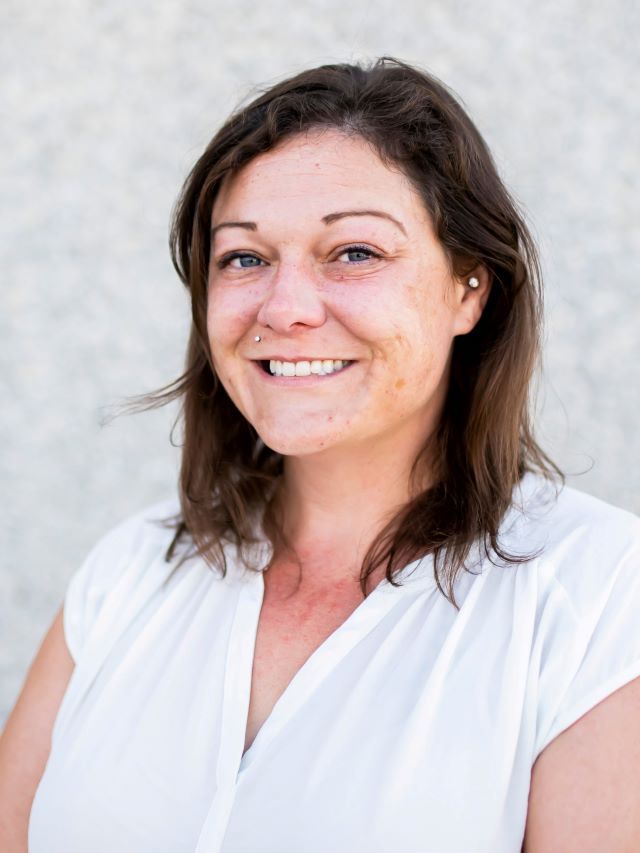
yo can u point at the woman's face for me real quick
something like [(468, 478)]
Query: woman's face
[(329, 256)]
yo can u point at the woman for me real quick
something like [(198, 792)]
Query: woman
[(419, 640)]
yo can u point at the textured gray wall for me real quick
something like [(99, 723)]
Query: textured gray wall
[(105, 107)]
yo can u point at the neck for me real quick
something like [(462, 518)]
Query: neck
[(334, 503)]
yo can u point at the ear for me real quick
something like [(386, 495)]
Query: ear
[(470, 301)]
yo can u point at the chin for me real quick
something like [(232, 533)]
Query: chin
[(300, 444)]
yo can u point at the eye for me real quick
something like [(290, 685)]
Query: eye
[(244, 259), (358, 254)]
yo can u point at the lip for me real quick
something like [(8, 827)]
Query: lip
[(298, 381)]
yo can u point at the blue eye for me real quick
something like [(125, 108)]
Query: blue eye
[(358, 254), (246, 261)]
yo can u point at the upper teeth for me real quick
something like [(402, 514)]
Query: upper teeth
[(305, 368)]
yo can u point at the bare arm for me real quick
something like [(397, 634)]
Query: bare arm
[(585, 786), (26, 739)]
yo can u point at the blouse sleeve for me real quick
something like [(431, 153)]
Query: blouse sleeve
[(598, 650), (101, 571)]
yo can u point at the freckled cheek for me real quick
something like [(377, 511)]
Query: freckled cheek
[(229, 315), (415, 364)]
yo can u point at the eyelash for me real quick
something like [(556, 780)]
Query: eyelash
[(226, 259), (364, 249)]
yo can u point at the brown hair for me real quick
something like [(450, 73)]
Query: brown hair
[(484, 443)]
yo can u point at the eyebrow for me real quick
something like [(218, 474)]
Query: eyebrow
[(328, 220), (332, 217), (249, 226)]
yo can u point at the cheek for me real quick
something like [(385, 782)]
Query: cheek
[(417, 354), (230, 312), (430, 319)]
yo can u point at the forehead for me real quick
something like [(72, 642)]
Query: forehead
[(317, 172)]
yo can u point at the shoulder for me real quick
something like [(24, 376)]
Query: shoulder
[(578, 540), (151, 527), (587, 668), (147, 525), (580, 595), (148, 532), (125, 564), (560, 510)]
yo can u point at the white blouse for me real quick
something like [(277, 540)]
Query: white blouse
[(413, 727)]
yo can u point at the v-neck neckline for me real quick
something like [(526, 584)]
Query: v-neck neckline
[(325, 657), (232, 764)]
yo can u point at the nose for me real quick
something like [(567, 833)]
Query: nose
[(292, 299)]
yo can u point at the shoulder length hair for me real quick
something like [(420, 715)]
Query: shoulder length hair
[(484, 443)]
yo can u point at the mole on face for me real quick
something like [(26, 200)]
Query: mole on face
[(400, 383)]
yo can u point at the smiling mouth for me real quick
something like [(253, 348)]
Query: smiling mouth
[(315, 367)]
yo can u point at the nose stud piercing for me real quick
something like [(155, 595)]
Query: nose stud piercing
[(473, 282), (257, 339)]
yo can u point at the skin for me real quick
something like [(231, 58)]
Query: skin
[(395, 315), (398, 317), (392, 307)]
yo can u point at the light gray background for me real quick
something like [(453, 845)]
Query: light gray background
[(106, 105)]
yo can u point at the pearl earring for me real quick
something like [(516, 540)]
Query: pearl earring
[(473, 282), (257, 339)]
